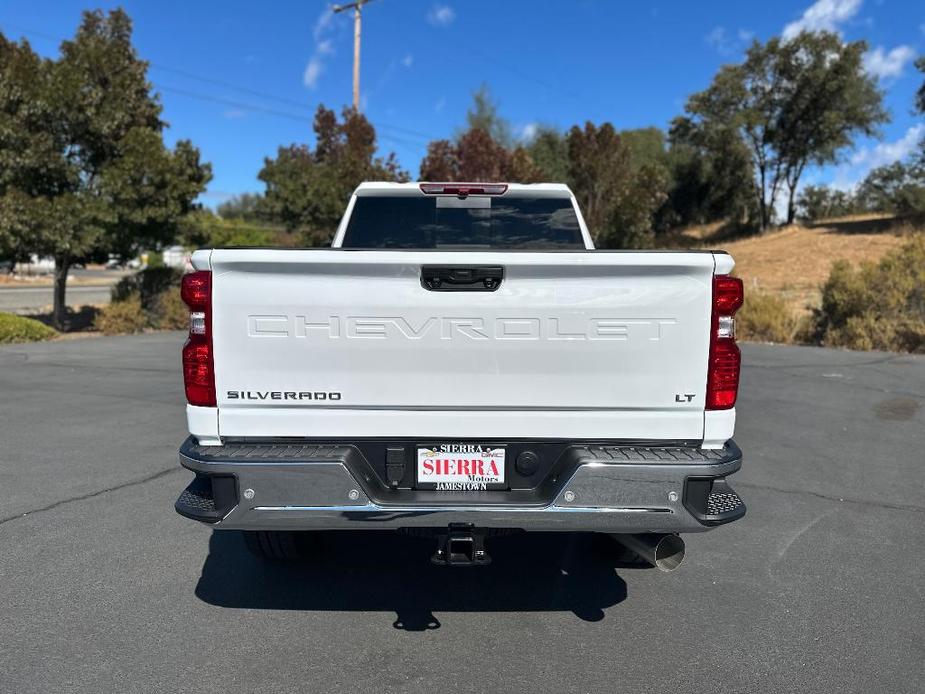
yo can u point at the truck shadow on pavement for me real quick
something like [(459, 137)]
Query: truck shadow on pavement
[(381, 571)]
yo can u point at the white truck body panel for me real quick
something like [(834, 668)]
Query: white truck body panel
[(582, 345)]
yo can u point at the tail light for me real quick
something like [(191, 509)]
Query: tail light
[(725, 358), (198, 364)]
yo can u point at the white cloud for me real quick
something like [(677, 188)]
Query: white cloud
[(322, 23), (408, 60), (441, 15), (235, 113), (717, 37), (324, 48), (527, 132), (881, 64), (441, 102), (848, 175), (888, 152), (823, 15), (726, 43), (313, 72)]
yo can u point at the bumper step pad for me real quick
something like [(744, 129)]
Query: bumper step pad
[(719, 503), (713, 501), (198, 501)]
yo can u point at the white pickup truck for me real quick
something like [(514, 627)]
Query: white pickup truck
[(461, 363)]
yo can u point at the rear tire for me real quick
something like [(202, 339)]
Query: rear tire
[(278, 545)]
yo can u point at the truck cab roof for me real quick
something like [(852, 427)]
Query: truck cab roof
[(373, 188)]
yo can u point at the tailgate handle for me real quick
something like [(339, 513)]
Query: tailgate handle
[(461, 278)]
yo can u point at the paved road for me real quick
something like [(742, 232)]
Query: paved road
[(24, 299), (104, 588)]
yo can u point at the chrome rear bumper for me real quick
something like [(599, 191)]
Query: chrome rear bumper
[(598, 487)]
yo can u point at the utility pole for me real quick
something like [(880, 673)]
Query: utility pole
[(355, 6)]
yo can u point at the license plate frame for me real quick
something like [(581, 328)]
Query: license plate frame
[(455, 466)]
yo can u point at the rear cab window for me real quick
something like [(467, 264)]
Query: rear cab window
[(475, 222)]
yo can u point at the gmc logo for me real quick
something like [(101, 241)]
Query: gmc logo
[(457, 328)]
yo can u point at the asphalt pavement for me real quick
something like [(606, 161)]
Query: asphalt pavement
[(104, 588), (94, 290), (27, 299)]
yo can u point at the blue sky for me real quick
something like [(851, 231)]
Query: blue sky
[(241, 78)]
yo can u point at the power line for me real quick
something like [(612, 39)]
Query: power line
[(229, 102), (229, 85), (422, 136), (468, 48), (274, 112)]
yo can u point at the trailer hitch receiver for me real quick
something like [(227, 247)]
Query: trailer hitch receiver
[(461, 545)]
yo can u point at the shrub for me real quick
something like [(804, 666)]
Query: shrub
[(169, 313), (121, 317), (203, 229), (877, 305), (155, 260), (21, 329), (766, 318), (146, 285)]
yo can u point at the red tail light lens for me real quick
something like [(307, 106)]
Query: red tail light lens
[(198, 364), (198, 374), (725, 358), (723, 386), (728, 295), (196, 290)]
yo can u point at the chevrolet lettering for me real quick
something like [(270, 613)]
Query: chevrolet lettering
[(459, 328)]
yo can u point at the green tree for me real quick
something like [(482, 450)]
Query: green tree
[(84, 166), (483, 115), (522, 168), (618, 199), (793, 102), (203, 229), (920, 105), (920, 94), (481, 157), (441, 163), (711, 174), (243, 206), (25, 149), (599, 164), (308, 189), (477, 156), (549, 151), (823, 202), (646, 146), (830, 100), (896, 187), (632, 220)]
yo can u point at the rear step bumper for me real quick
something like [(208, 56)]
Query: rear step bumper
[(594, 487)]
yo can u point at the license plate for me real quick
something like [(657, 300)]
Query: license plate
[(460, 467)]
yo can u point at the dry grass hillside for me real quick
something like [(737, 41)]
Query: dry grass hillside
[(793, 262)]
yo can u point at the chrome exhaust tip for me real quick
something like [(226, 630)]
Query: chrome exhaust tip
[(664, 552)]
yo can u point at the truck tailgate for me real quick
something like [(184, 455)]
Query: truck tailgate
[(335, 343)]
